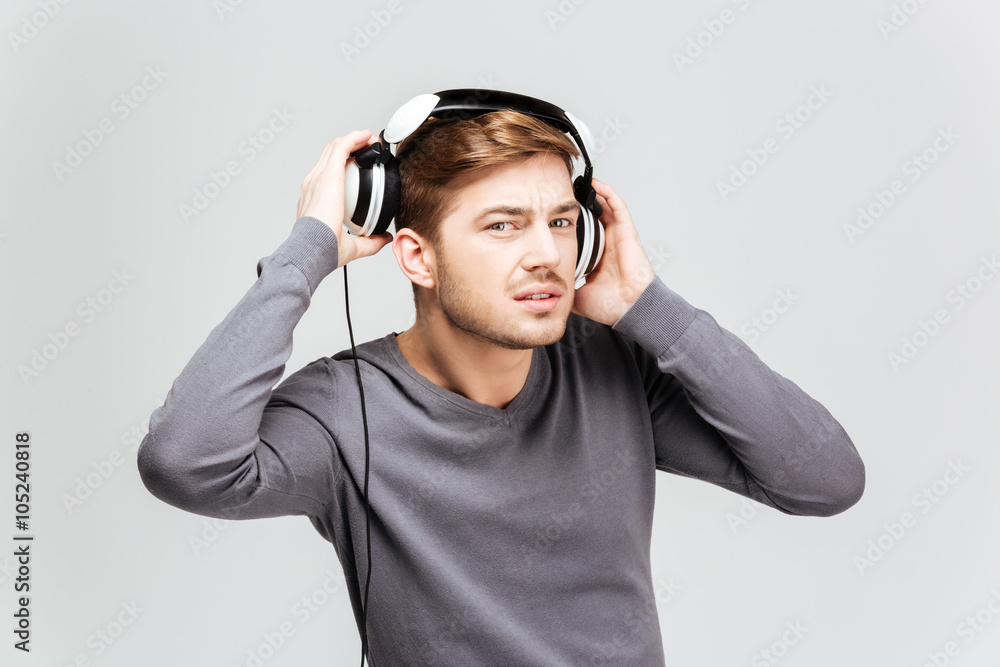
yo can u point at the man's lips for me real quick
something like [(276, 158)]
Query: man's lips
[(540, 305), (548, 289)]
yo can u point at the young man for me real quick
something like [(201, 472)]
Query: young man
[(514, 441)]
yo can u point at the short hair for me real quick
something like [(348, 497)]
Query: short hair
[(441, 150)]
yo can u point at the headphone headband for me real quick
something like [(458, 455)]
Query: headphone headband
[(368, 212), (459, 102)]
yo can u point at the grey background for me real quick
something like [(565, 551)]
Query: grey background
[(727, 589)]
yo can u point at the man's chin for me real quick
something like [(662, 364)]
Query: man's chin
[(545, 336)]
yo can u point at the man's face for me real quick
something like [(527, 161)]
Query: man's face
[(513, 228)]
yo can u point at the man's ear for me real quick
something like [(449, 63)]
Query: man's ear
[(415, 256)]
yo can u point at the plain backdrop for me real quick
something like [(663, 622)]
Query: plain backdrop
[(811, 113)]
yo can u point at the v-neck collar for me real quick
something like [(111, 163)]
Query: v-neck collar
[(529, 389)]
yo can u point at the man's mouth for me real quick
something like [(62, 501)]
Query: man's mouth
[(538, 292), (539, 303)]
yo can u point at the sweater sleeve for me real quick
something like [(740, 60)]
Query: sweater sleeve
[(719, 414), (222, 444)]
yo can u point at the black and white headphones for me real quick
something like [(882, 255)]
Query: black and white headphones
[(372, 186)]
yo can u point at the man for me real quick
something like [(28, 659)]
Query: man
[(514, 441)]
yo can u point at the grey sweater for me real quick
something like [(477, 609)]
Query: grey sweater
[(515, 536)]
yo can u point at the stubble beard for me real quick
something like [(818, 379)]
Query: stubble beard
[(460, 306)]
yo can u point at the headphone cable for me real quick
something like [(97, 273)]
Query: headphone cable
[(364, 417)]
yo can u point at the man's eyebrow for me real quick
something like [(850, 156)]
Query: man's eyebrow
[(565, 207)]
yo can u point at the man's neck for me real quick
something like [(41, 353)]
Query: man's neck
[(452, 359)]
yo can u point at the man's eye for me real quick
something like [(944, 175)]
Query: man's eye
[(569, 223), (492, 227)]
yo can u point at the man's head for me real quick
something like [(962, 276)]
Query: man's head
[(487, 210)]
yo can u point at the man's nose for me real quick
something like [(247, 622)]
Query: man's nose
[(543, 250)]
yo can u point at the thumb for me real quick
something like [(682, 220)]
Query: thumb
[(365, 246)]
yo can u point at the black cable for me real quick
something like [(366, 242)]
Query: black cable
[(368, 531)]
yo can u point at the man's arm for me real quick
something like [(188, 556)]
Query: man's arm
[(720, 414), (223, 444)]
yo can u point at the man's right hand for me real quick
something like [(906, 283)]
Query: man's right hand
[(322, 197)]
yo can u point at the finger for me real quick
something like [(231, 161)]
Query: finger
[(351, 142), (369, 245), (606, 209), (324, 157), (612, 202), (606, 191), (353, 139)]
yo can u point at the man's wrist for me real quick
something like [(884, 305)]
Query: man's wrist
[(629, 296), (657, 318), (312, 247)]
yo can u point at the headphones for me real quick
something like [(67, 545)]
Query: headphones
[(372, 193), (372, 183)]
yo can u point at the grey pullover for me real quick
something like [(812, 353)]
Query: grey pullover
[(515, 536)]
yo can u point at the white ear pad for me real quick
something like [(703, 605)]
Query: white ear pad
[(374, 201), (378, 193), (352, 187), (409, 117), (352, 184), (600, 243), (588, 246)]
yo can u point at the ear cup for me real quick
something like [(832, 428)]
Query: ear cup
[(364, 189), (390, 194), (589, 235), (585, 245), (595, 258), (378, 191)]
